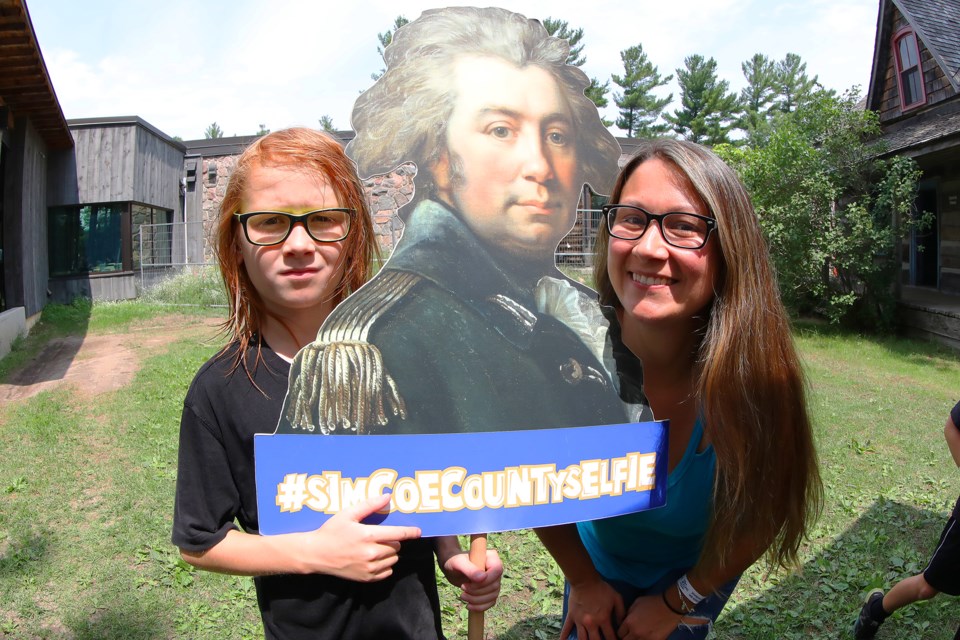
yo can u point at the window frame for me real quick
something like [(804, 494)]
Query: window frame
[(900, 71), (126, 234)]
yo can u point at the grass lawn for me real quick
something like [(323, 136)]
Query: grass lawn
[(86, 494)]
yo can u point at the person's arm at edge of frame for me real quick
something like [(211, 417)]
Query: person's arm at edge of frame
[(650, 617), (593, 603), (952, 434), (368, 556), (480, 588)]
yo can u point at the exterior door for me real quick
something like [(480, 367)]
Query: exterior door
[(925, 244)]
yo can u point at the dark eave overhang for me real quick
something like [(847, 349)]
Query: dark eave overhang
[(25, 87)]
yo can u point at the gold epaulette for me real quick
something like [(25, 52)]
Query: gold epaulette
[(339, 382)]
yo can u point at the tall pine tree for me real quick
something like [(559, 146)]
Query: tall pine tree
[(707, 108), (795, 88), (596, 92), (561, 29), (757, 98), (385, 39), (639, 107)]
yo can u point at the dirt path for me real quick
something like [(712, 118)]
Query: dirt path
[(98, 363)]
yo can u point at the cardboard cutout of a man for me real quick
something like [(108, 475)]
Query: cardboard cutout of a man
[(470, 326)]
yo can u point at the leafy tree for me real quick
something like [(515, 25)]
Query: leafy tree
[(595, 92), (326, 123), (213, 131), (262, 131), (639, 107), (832, 209), (757, 98), (707, 109), (794, 88), (385, 39)]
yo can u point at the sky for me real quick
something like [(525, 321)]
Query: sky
[(182, 65)]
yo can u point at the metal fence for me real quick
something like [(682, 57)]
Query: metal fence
[(164, 250), (575, 253)]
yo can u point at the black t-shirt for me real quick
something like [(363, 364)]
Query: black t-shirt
[(216, 485)]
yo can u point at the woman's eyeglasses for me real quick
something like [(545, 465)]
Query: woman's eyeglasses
[(683, 230), (267, 228)]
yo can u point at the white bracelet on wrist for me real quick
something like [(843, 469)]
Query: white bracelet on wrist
[(689, 594)]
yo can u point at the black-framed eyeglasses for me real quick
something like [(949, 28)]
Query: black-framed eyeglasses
[(682, 230), (267, 228)]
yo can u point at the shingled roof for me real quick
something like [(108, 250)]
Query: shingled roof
[(915, 135), (25, 86)]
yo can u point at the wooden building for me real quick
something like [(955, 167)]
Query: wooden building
[(915, 89), (121, 173), (32, 131), (72, 193)]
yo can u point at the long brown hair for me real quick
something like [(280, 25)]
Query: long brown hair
[(313, 153), (749, 381)]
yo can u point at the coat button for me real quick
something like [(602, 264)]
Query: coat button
[(571, 371)]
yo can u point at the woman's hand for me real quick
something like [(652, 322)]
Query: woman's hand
[(592, 607), (650, 619)]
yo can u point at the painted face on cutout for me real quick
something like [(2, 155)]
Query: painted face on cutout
[(510, 166), (299, 275), (654, 281)]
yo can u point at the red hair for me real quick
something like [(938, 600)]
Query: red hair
[(313, 153)]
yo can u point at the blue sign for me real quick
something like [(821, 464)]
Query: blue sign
[(460, 483)]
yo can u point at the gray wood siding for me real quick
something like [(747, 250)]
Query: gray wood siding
[(156, 180), (118, 163), (948, 205), (109, 287), (26, 267), (62, 188), (105, 163)]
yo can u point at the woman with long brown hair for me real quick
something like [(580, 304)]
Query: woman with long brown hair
[(294, 238), (684, 270)]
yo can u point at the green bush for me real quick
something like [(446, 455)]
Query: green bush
[(192, 286), (833, 210)]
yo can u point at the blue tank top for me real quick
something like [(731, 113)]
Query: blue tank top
[(640, 548)]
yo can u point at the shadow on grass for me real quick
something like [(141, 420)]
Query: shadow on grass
[(125, 621), (889, 542), (910, 349), (541, 627), (21, 554), (46, 353)]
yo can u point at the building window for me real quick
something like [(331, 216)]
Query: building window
[(152, 233), (106, 238), (909, 73), (85, 239)]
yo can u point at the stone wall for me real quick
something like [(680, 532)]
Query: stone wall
[(385, 195), (213, 191)]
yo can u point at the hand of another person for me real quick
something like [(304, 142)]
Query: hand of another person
[(480, 588), (591, 608), (346, 548), (650, 619)]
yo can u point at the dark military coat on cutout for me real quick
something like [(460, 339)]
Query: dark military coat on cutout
[(442, 340)]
